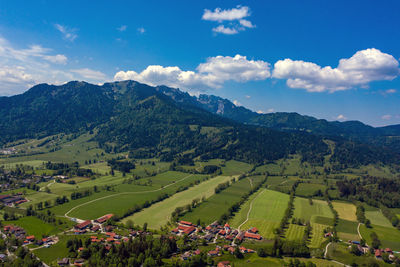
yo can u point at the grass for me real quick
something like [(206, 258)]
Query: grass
[(309, 189), (317, 235), (267, 210), (377, 218), (305, 211), (295, 232), (55, 252), (127, 196), (346, 211), (389, 236), (340, 253), (347, 230), (233, 167), (159, 214), (35, 226), (218, 204)]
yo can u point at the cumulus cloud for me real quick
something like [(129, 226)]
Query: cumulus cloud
[(21, 68), (341, 117), (362, 68), (68, 33), (90, 74), (237, 103), (225, 30), (211, 74), (141, 30), (220, 15), (234, 16), (122, 28)]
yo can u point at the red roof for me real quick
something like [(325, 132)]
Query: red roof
[(226, 225), (83, 225), (189, 230), (253, 230), (104, 218), (378, 253), (222, 232), (31, 237), (388, 250), (186, 223), (253, 236)]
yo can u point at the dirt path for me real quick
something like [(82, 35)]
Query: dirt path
[(48, 185), (248, 213), (123, 193)]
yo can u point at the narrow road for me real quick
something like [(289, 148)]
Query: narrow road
[(48, 185), (358, 231), (251, 182), (326, 249), (123, 193), (248, 213), (326, 252)]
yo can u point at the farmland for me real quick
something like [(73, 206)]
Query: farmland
[(267, 210), (159, 214), (388, 236), (216, 205), (347, 211), (306, 211)]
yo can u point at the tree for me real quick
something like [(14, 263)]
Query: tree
[(237, 253)]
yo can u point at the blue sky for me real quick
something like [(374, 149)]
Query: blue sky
[(337, 60)]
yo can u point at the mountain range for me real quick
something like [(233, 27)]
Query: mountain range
[(166, 122)]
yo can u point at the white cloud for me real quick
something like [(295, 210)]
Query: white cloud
[(246, 23), (141, 30), (90, 74), (390, 91), (341, 117), (122, 28), (68, 33), (386, 117), (362, 68), (234, 17), (270, 110), (248, 96), (220, 15), (225, 30), (211, 74), (236, 103), (21, 68)]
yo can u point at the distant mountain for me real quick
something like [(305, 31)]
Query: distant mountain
[(168, 123), (388, 137)]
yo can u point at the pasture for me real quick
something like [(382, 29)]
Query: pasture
[(35, 226), (233, 167), (317, 235), (377, 218), (218, 204), (268, 208), (347, 230), (346, 211), (159, 214), (389, 236), (309, 189), (295, 232), (304, 210)]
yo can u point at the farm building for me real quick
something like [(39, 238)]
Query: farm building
[(252, 236), (104, 218), (83, 225)]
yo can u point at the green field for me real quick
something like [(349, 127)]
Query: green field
[(377, 218), (233, 167), (317, 235), (389, 236), (55, 252), (159, 214), (127, 196), (346, 211), (218, 204), (35, 226), (305, 211), (347, 230), (309, 189), (295, 232), (268, 208)]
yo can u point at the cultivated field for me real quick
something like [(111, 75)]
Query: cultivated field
[(295, 232), (346, 211), (159, 214), (304, 210), (389, 236)]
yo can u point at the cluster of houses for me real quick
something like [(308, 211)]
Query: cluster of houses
[(11, 181), (20, 234), (12, 200), (230, 249), (215, 230), (93, 226), (377, 252)]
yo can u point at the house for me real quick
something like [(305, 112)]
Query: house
[(30, 238), (213, 253), (63, 262), (83, 225), (224, 264), (227, 226), (197, 252), (186, 223), (186, 255), (208, 237), (240, 236), (328, 235), (378, 253), (104, 218), (231, 250), (253, 230), (95, 228), (252, 236), (2, 257), (175, 231), (388, 250), (222, 232), (189, 230)]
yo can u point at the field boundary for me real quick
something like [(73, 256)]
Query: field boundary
[(122, 193)]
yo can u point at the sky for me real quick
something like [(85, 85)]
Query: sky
[(334, 60)]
